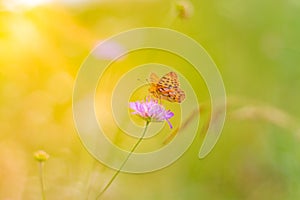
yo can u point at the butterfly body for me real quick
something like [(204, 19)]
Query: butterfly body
[(167, 87)]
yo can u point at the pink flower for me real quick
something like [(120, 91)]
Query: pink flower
[(108, 50), (151, 111)]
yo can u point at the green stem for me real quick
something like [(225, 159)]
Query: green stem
[(124, 162), (41, 165), (90, 181)]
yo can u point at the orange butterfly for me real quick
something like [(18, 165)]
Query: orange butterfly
[(167, 87)]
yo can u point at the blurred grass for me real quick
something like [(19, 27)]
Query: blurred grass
[(256, 47)]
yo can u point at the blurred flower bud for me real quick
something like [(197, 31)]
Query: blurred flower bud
[(41, 156), (184, 9)]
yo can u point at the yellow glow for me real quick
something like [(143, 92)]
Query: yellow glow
[(19, 4)]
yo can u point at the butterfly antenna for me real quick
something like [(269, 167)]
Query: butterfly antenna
[(148, 82), (140, 80)]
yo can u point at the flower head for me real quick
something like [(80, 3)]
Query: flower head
[(41, 156), (151, 110), (184, 9)]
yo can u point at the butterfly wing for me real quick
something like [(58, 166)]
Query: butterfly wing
[(154, 78), (177, 96), (169, 88), (172, 95), (169, 80)]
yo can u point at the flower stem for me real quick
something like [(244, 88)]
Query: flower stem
[(124, 162), (41, 173)]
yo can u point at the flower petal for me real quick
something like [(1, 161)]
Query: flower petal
[(151, 110)]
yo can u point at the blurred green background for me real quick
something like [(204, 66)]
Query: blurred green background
[(255, 45)]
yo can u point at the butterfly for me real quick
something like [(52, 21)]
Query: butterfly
[(167, 87)]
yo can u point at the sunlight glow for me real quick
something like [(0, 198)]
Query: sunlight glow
[(23, 4)]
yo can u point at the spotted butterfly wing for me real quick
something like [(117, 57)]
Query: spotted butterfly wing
[(167, 87)]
